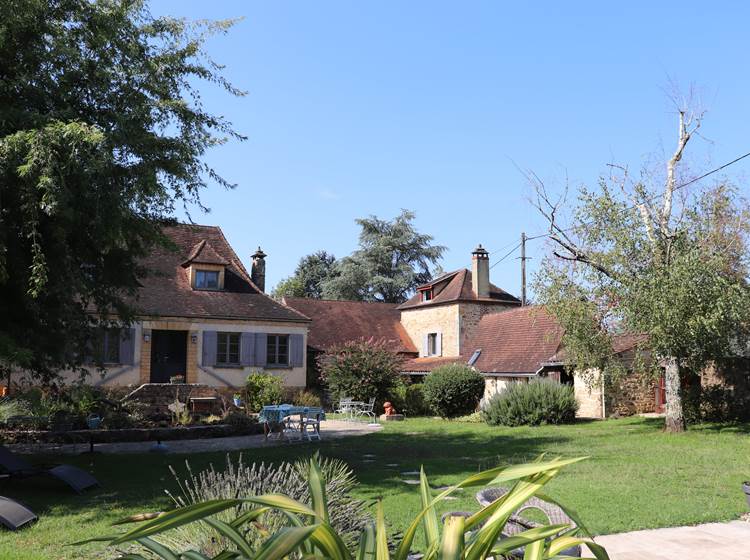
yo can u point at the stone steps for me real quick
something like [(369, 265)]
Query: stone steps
[(156, 397)]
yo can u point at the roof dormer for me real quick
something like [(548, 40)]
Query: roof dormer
[(205, 267)]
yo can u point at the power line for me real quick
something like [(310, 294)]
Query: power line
[(509, 253), (651, 199)]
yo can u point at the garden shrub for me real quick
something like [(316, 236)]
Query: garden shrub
[(361, 370), (10, 407), (410, 400), (348, 515), (453, 390), (541, 401), (239, 420), (306, 398), (263, 389), (714, 403)]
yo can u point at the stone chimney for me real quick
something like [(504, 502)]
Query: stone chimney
[(480, 272), (258, 270)]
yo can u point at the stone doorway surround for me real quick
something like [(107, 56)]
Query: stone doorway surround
[(173, 325)]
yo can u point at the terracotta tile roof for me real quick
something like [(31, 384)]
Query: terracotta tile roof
[(166, 290), (456, 286), (620, 343), (334, 322), (425, 365), (204, 253), (518, 341), (625, 342)]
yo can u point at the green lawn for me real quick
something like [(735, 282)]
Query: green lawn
[(637, 476)]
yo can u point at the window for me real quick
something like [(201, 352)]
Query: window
[(278, 350), (207, 279), (432, 344), (106, 347), (427, 295), (228, 348)]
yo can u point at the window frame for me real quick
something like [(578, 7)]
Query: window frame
[(224, 352), (106, 341), (204, 272), (272, 350), (432, 349), (427, 294)]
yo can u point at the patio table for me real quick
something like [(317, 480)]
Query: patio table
[(276, 414), (351, 408)]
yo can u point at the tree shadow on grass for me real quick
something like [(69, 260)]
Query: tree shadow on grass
[(139, 481)]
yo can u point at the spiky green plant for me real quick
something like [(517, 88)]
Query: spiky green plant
[(239, 479), (309, 533)]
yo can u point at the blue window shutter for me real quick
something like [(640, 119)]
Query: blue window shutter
[(247, 349), (296, 350), (127, 346), (209, 348), (261, 339)]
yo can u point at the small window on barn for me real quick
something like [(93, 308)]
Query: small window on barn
[(207, 279), (427, 294)]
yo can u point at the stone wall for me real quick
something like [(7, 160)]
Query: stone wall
[(157, 397), (442, 319), (635, 393), (469, 315), (588, 393), (494, 384)]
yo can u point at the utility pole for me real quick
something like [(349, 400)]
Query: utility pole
[(523, 268)]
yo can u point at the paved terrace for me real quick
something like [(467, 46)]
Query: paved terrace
[(330, 429), (728, 541)]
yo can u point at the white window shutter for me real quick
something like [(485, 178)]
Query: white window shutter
[(425, 346), (439, 344)]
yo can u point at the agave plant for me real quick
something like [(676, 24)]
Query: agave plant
[(309, 534)]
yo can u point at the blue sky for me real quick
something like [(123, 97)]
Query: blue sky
[(358, 108)]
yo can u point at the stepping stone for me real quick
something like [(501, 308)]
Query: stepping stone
[(410, 473), (368, 460), (391, 465), (369, 456), (450, 498), (441, 488), (411, 481)]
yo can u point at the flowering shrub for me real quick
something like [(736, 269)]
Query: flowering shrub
[(361, 369)]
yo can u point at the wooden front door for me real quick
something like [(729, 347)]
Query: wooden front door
[(660, 396), (168, 355)]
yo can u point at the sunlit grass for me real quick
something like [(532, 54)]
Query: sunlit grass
[(636, 477)]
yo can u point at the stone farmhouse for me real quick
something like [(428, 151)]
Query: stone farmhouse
[(202, 316), (461, 317)]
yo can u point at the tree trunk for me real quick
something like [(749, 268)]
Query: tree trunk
[(675, 419)]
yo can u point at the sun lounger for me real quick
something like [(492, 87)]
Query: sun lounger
[(14, 515), (17, 467)]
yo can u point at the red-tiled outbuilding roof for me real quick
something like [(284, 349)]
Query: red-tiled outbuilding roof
[(518, 341), (335, 322)]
